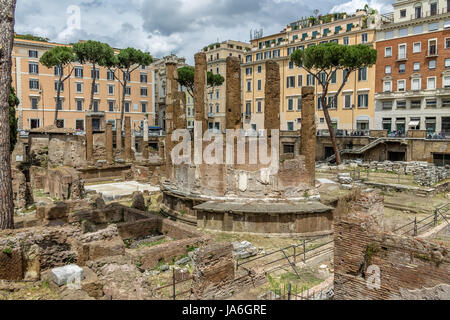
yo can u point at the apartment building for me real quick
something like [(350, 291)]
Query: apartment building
[(189, 109), (216, 55), (36, 88), (355, 106), (160, 80), (413, 68)]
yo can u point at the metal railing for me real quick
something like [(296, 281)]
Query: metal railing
[(416, 227)]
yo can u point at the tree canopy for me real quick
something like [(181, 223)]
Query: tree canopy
[(94, 52), (323, 61), (186, 79), (57, 56)]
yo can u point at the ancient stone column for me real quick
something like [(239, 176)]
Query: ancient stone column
[(308, 132), (200, 90), (145, 144), (179, 110), (89, 140), (109, 143), (272, 97), (119, 137), (233, 94), (171, 93), (127, 139)]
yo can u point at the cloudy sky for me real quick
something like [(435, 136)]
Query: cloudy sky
[(163, 27)]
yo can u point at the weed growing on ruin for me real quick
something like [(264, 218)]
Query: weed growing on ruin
[(371, 249)]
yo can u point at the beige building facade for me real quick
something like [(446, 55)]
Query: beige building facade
[(216, 55), (36, 86), (355, 105)]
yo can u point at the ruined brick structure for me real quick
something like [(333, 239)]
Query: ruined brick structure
[(308, 132), (272, 99), (233, 93), (410, 268)]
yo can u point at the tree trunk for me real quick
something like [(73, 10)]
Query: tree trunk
[(332, 135), (122, 112), (91, 103), (58, 95), (7, 8)]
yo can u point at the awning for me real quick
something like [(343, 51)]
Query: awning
[(414, 123)]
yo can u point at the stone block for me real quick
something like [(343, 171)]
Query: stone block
[(11, 264), (67, 274)]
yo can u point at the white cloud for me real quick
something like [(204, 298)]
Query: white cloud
[(382, 6)]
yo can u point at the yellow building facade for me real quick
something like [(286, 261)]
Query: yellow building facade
[(355, 106), (36, 86)]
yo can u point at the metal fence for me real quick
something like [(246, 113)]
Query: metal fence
[(173, 286), (416, 227)]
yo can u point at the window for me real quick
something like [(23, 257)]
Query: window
[(57, 85), (59, 104), (291, 65), (344, 75), (97, 73), (259, 106), (416, 104), (258, 56), (447, 63), (111, 106), (417, 29), (60, 123), (300, 80), (143, 78), (276, 53), (248, 71), (362, 125), (362, 74), (128, 90), (432, 47), (79, 105), (388, 70), (363, 100), (144, 107), (288, 148), (322, 77), (403, 32), (34, 123), (96, 88), (401, 104), (290, 51), (290, 83), (259, 69), (126, 76), (110, 75), (58, 71), (431, 103), (32, 54), (445, 103), (290, 104), (248, 108), (447, 43), (248, 58), (218, 93), (415, 84), (446, 81), (110, 89), (417, 47), (387, 105), (418, 11), (401, 68), (143, 92), (387, 86), (432, 64), (290, 126), (95, 107), (33, 68), (34, 84), (259, 86), (401, 85), (388, 52), (403, 13), (267, 55), (34, 103), (433, 26), (402, 51), (249, 86), (347, 101), (332, 103), (430, 125), (433, 8), (431, 83), (79, 125), (127, 107), (79, 86), (333, 77), (346, 41), (78, 72), (416, 66), (310, 80), (364, 38), (299, 104), (319, 103)]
